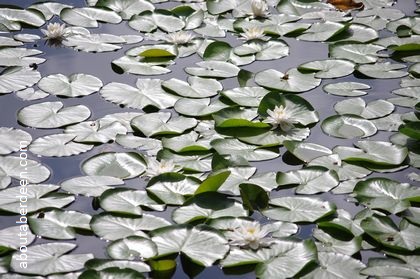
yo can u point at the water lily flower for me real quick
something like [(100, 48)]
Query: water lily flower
[(254, 33), (259, 8), (179, 38), (249, 234), (281, 116), (154, 167), (55, 31)]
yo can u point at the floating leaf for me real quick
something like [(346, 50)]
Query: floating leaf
[(249, 152), (358, 106), (12, 140), (57, 224), (148, 93), (88, 17), (58, 145), (358, 53), (52, 115), (90, 185), (328, 68), (49, 258), (113, 227), (386, 194), (216, 69), (38, 197), (310, 180), (17, 78), (121, 165), (346, 89), (382, 70), (160, 123), (306, 151), (11, 167), (298, 209), (195, 88), (131, 248), (198, 107), (348, 126), (200, 243), (292, 81)]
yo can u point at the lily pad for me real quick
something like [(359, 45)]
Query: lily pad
[(292, 81), (358, 106), (50, 258), (17, 78), (298, 209), (57, 224), (58, 145), (121, 165), (52, 115), (201, 244), (148, 93), (12, 140), (348, 126), (346, 89)]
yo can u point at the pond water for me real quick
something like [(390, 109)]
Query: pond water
[(66, 60)]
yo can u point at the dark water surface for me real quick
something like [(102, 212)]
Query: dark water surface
[(67, 61)]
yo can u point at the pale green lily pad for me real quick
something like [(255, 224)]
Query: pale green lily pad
[(88, 17), (358, 106), (21, 57), (284, 259), (346, 89), (213, 69), (132, 248), (306, 151), (322, 31), (382, 229), (57, 224), (126, 8), (52, 115), (344, 170), (194, 212), (148, 93), (336, 265), (12, 140), (50, 258), (13, 19), (195, 88), (330, 68), (310, 180), (386, 194), (348, 126), (8, 237), (94, 42), (149, 21), (112, 227), (101, 131), (135, 65), (374, 152), (382, 70), (91, 186), (198, 107), (128, 201), (358, 53), (246, 96), (200, 243), (121, 165), (58, 145), (161, 123), (17, 78), (11, 167), (328, 243), (292, 81), (249, 152), (39, 196), (298, 209)]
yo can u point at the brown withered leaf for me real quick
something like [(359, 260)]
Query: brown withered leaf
[(345, 5)]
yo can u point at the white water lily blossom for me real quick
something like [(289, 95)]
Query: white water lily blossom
[(179, 37), (249, 234), (55, 31), (254, 33), (259, 8), (281, 116), (154, 167)]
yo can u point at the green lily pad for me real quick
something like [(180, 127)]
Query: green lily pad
[(348, 126), (121, 165)]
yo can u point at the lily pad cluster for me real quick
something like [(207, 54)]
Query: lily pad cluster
[(178, 173)]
